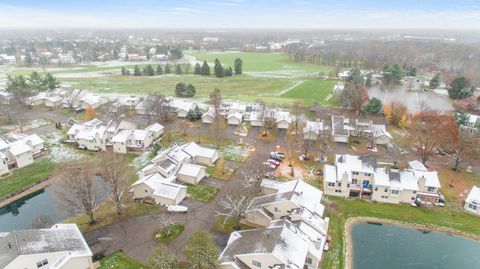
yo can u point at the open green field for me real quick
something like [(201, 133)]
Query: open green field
[(261, 62), (271, 77)]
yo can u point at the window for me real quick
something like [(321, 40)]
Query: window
[(386, 190), (472, 206), (348, 185), (355, 173), (308, 260), (431, 189), (338, 191), (413, 198), (414, 192), (366, 182), (384, 197), (368, 174), (331, 184), (395, 191), (256, 263), (42, 263), (354, 181), (376, 188), (339, 184)]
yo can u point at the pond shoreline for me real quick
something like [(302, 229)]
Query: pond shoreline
[(28, 190), (350, 222)]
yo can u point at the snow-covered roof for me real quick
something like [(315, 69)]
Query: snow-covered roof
[(283, 116), (194, 150), (121, 137), (162, 186), (75, 129), (156, 127), (330, 173), (431, 178), (3, 144), (91, 99), (380, 130), (61, 238), (189, 169), (288, 242), (417, 165), (34, 139), (19, 147), (140, 135), (237, 115), (474, 196), (313, 126)]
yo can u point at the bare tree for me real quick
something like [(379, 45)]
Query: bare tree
[(166, 219), (115, 171), (42, 222), (395, 153), (77, 191), (9, 108), (464, 147), (297, 112), (156, 107), (218, 125), (324, 143), (235, 204)]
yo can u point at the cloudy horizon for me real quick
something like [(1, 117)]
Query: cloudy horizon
[(262, 14)]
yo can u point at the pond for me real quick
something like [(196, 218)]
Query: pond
[(380, 246), (43, 203)]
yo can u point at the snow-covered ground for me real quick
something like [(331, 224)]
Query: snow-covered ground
[(60, 152), (141, 161)]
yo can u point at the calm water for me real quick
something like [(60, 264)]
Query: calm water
[(21, 213), (395, 247)]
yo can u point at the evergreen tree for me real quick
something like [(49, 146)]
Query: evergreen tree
[(197, 69), (190, 92), (180, 89), (149, 70), (238, 65), (194, 114), (461, 118), (374, 106), (435, 81), (49, 82), (159, 70), (460, 88), (124, 71), (218, 69), (205, 69), (178, 69), (136, 71), (228, 71), (168, 69), (356, 77), (28, 60), (176, 53), (368, 82)]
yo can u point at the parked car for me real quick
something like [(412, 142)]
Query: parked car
[(177, 208), (274, 162), (276, 158), (270, 165), (279, 154)]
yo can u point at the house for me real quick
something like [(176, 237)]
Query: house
[(473, 124), (128, 102), (255, 118), (201, 155), (343, 128), (191, 173), (162, 190), (340, 133), (235, 118), (3, 165), (360, 176), (181, 107), (21, 150), (61, 246), (282, 244), (472, 203), (283, 119), (93, 100), (156, 129), (120, 141), (209, 116), (294, 200), (312, 130), (92, 138)]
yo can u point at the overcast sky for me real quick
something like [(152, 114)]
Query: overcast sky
[(321, 14)]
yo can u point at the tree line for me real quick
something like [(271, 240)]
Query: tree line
[(148, 70), (218, 70)]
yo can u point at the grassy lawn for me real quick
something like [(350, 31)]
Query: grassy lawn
[(340, 210), (260, 62), (314, 90), (106, 214), (118, 260), (26, 176), (213, 173), (202, 193), (227, 227), (169, 233)]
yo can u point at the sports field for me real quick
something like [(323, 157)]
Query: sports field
[(270, 77)]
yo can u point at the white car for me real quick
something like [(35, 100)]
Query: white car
[(177, 208)]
